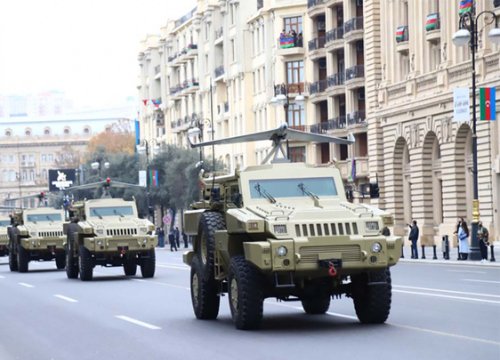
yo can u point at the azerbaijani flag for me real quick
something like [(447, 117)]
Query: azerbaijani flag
[(465, 6), (153, 177), (286, 42), (487, 101), (400, 33), (431, 22), (156, 102)]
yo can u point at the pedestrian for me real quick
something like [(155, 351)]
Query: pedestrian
[(177, 236), (455, 234), (161, 237), (413, 237), (294, 36), (483, 235), (463, 240), (171, 240), (185, 239)]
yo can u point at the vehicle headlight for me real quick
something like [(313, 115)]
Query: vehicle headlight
[(143, 230), (281, 251), (253, 225), (99, 242), (145, 241), (99, 231), (371, 226), (376, 247)]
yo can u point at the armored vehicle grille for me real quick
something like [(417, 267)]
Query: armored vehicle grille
[(326, 229), (121, 232), (309, 254), (4, 237), (49, 234)]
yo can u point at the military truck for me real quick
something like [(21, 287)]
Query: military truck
[(4, 237), (108, 232), (286, 230), (36, 235)]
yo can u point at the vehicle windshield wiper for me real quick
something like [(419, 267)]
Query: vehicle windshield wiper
[(302, 187), (116, 212), (49, 218), (94, 211), (264, 193)]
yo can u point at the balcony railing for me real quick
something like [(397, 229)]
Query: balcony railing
[(332, 124), (172, 57), (219, 71), (260, 4), (354, 72), (318, 86), (353, 24), (317, 43), (219, 32), (293, 88), (334, 34), (287, 41), (313, 3), (157, 69), (175, 89), (355, 118), (336, 79)]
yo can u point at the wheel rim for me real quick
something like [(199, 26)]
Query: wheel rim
[(234, 294), (195, 285), (203, 248)]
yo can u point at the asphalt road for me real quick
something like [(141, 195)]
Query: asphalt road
[(439, 311)]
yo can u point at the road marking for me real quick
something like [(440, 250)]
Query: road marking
[(448, 296), (483, 281), (138, 322), (445, 291), (467, 271), (174, 267), (68, 299), (2, 277), (26, 285), (162, 283)]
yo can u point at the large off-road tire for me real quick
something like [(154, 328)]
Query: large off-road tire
[(13, 266), (204, 296), (85, 266), (246, 296), (23, 259), (148, 265), (205, 241), (130, 265), (71, 262), (316, 305), (371, 293), (60, 260)]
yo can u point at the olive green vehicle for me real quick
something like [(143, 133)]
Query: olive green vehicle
[(36, 235), (108, 232), (286, 230), (4, 237)]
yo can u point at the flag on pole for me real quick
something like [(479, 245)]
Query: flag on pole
[(431, 23), (153, 177), (400, 33), (145, 102), (487, 101), (465, 6)]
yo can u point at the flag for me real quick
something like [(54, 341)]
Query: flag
[(145, 102), (465, 6), (400, 33), (286, 42), (487, 101), (137, 132), (153, 177), (156, 102), (431, 22)]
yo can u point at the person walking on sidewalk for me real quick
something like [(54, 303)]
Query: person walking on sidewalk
[(177, 236), (171, 240), (413, 237), (185, 239), (463, 240), (482, 234)]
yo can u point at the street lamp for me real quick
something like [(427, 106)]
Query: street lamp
[(98, 165), (195, 131), (468, 34), (281, 98)]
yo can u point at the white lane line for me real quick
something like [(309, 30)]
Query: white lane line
[(137, 322), (483, 281), (467, 271), (162, 283), (445, 291), (447, 296), (2, 277), (68, 299), (174, 267), (26, 285)]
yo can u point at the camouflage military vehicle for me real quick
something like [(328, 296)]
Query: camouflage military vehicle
[(286, 230), (37, 234), (108, 232), (4, 237)]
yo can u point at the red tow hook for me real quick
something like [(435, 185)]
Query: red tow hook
[(331, 269)]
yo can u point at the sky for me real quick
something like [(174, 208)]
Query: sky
[(85, 48)]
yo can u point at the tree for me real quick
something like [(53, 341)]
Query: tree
[(114, 142)]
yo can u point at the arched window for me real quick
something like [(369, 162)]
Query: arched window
[(8, 132), (67, 130), (27, 132), (46, 131), (86, 130)]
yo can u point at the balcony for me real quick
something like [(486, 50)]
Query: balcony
[(175, 90), (402, 38), (433, 28), (290, 45), (315, 7), (218, 34), (353, 29), (316, 47), (334, 38), (324, 127), (219, 71), (355, 76), (191, 86), (190, 51), (318, 87), (335, 83), (356, 119)]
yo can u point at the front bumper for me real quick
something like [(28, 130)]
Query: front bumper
[(310, 254), (43, 244), (120, 244)]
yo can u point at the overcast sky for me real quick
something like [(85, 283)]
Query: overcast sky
[(86, 48)]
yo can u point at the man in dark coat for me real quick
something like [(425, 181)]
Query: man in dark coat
[(171, 240), (177, 235), (413, 237)]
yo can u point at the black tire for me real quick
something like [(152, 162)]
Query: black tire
[(13, 266), (60, 260), (204, 296), (205, 241), (23, 259), (246, 297), (130, 265), (71, 263), (85, 266), (372, 294), (316, 305), (148, 265), (12, 260)]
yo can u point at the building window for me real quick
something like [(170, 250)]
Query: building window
[(293, 23), (27, 132), (298, 154), (233, 51), (295, 72), (8, 132), (86, 130), (66, 131), (296, 117), (46, 131)]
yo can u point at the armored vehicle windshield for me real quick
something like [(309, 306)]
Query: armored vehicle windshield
[(293, 187), (111, 211), (34, 218), (4, 223)]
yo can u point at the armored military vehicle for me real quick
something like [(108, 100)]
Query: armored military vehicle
[(286, 230), (36, 234), (4, 237), (108, 232)]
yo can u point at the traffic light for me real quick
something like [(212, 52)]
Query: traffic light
[(374, 191)]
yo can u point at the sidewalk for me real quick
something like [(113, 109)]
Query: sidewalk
[(429, 254)]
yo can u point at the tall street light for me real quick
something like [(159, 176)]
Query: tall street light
[(468, 35), (281, 98)]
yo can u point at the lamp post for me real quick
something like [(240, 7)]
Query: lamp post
[(98, 165), (468, 35), (196, 130), (281, 98)]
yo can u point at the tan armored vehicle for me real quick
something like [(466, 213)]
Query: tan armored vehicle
[(286, 230), (108, 232), (4, 237), (37, 234)]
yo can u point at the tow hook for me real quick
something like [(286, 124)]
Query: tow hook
[(333, 266), (331, 269)]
